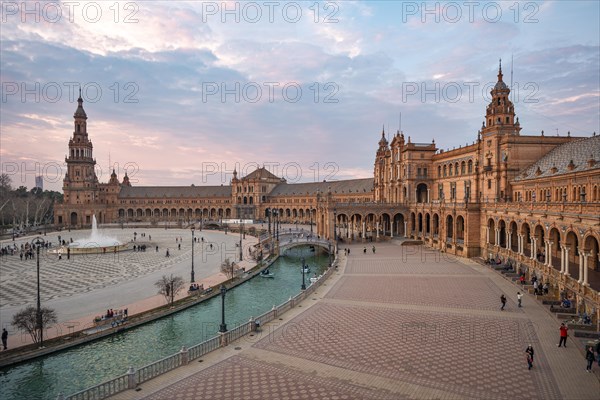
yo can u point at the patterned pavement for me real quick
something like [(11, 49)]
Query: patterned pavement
[(391, 326)]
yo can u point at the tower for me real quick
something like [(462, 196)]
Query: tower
[(380, 173), (80, 185), (500, 113)]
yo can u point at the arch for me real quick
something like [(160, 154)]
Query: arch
[(386, 223), (73, 218), (491, 231), (463, 168), (399, 224), (539, 235), (427, 224), (470, 166), (572, 243), (251, 200), (245, 199), (420, 224), (435, 226), (591, 245), (228, 212), (121, 213), (514, 239), (449, 228), (555, 248), (148, 213), (422, 193), (156, 213), (460, 229), (526, 232), (130, 213), (502, 227)]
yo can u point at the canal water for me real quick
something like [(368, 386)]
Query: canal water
[(89, 364)]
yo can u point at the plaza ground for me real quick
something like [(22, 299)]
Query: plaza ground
[(85, 286), (405, 322)]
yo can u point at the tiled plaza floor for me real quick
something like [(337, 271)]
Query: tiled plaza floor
[(389, 326)]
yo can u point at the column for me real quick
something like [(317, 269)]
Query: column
[(533, 247), (567, 261), (519, 243), (428, 194), (364, 230), (586, 254), (487, 234), (391, 228), (581, 256), (562, 259), (377, 230), (496, 236), (508, 240), (549, 253), (405, 228)]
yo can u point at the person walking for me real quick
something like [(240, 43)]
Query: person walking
[(589, 356), (529, 351), (564, 329), (598, 351), (503, 301), (4, 339), (519, 298)]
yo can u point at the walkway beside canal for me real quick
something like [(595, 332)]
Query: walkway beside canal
[(404, 322)]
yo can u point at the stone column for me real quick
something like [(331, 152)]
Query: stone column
[(549, 253), (497, 237), (586, 255), (428, 194), (487, 234), (364, 230), (405, 228), (508, 240), (519, 243), (562, 259), (533, 247), (391, 228), (377, 230), (567, 261)]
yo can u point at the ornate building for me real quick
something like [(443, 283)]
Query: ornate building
[(532, 198)]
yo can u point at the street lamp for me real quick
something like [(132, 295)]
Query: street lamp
[(192, 278), (334, 228), (241, 250), (38, 242), (223, 327), (303, 287), (311, 228), (269, 219)]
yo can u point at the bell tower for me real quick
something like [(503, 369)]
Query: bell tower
[(500, 113), (80, 185), (380, 169)]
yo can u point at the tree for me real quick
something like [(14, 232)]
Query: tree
[(26, 320), (228, 268), (169, 286)]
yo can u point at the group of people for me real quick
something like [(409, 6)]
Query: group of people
[(195, 286), (590, 357), (365, 250)]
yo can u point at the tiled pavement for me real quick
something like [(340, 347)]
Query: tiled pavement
[(392, 326)]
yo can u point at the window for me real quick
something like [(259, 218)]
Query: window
[(450, 170), (489, 183)]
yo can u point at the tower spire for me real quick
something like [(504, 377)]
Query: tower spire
[(500, 72)]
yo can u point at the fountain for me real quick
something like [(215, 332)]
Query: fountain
[(95, 243)]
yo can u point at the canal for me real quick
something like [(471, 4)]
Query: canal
[(89, 364)]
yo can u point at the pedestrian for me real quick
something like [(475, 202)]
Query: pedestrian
[(519, 298), (4, 338), (529, 351), (589, 356), (564, 329), (365, 250), (598, 351), (373, 249), (503, 300)]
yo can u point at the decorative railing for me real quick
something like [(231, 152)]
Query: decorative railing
[(103, 390), (158, 368), (134, 377)]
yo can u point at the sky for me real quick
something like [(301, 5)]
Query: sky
[(183, 92)]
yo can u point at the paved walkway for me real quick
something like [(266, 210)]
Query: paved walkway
[(403, 323), (85, 286)]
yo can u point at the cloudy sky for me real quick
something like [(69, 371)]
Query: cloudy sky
[(181, 92)]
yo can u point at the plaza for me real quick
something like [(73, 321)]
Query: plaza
[(83, 286), (405, 322)]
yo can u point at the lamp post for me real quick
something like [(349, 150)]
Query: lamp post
[(303, 287), (192, 278), (223, 327), (334, 227), (269, 219), (38, 242), (241, 249), (311, 228)]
